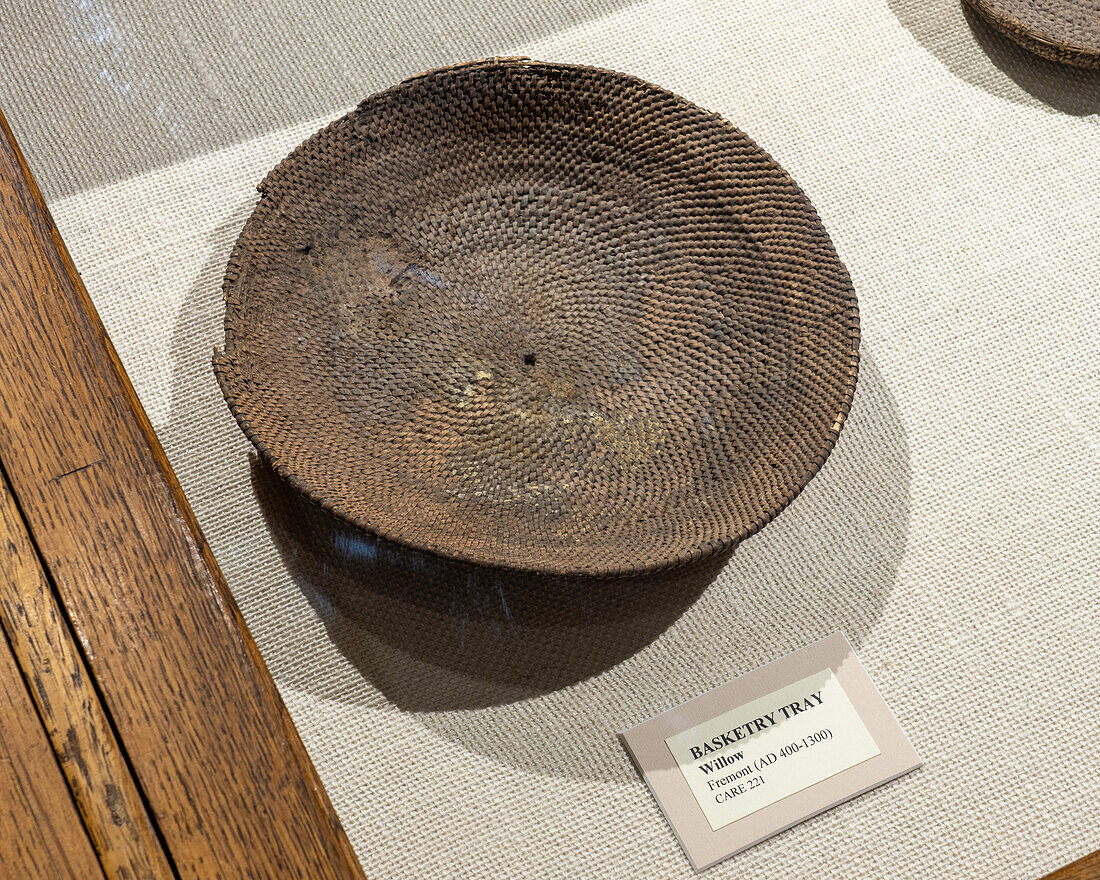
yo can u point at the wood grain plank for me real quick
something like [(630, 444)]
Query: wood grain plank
[(1087, 868), (41, 837), (77, 726), (227, 779)]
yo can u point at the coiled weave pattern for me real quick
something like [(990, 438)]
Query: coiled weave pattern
[(1058, 30), (539, 316)]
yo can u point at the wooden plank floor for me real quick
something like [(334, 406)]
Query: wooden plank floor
[(172, 737), (141, 735), (41, 836), (91, 758), (1087, 868)]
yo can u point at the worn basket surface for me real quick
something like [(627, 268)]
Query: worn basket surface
[(1060, 30), (539, 316)]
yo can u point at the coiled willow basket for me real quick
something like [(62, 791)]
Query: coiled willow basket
[(1058, 30), (539, 316)]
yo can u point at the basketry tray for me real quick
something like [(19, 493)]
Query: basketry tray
[(1059, 30), (539, 316)]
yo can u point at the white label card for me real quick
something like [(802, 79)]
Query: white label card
[(769, 749), (759, 753)]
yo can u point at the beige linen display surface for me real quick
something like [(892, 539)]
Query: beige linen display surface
[(467, 727)]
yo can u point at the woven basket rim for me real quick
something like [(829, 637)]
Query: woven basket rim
[(1034, 39), (228, 376)]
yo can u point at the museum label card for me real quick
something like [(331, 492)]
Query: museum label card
[(769, 749)]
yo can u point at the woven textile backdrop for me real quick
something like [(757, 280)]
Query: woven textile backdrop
[(465, 725)]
